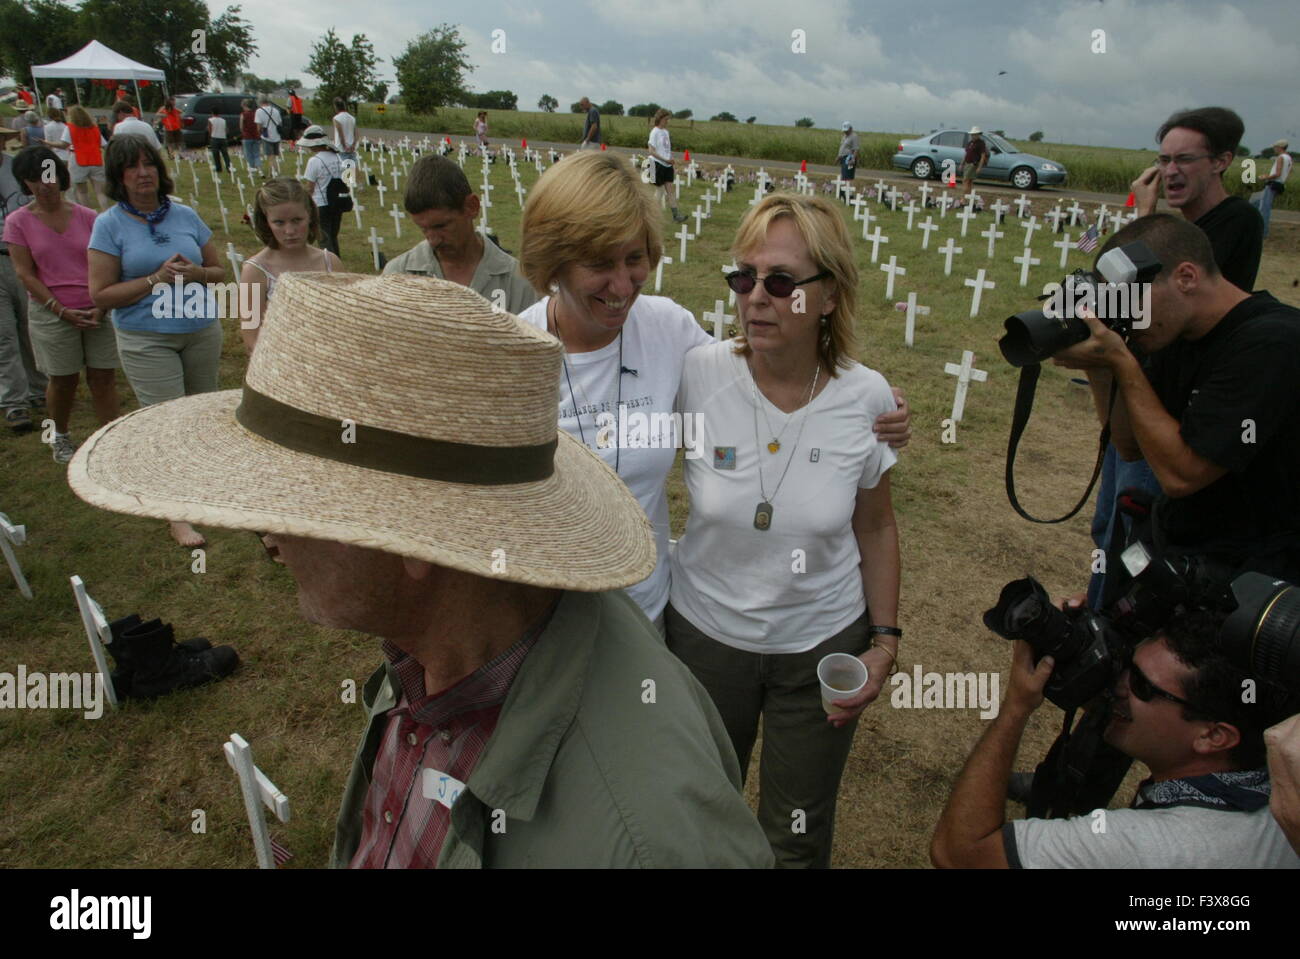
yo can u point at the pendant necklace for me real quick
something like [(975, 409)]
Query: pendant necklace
[(774, 444), (763, 513), (564, 359)]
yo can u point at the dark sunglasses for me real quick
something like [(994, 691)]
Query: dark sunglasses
[(779, 285), (1144, 689)]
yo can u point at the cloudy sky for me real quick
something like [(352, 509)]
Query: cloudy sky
[(890, 65)]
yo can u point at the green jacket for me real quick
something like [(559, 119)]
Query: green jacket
[(587, 771)]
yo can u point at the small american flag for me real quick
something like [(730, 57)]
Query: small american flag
[(1088, 242)]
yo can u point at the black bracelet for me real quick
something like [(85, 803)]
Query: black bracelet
[(885, 631)]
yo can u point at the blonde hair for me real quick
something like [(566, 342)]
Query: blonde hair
[(78, 116), (823, 231), (659, 115), (581, 207)]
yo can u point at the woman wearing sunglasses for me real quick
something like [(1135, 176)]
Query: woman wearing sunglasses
[(791, 550), (592, 234)]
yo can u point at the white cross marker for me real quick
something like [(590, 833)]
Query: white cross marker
[(980, 284), (719, 318), (992, 235), (944, 202), (1065, 246), (964, 373), (382, 190), (1030, 226), (1055, 216), (519, 193), (947, 250), (867, 220), (394, 179), (707, 197), (258, 791), (892, 269), (880, 191), (683, 236), (910, 209), (965, 216), (875, 240), (700, 217), (925, 195), (357, 210), (758, 195), (14, 535), (928, 227), (999, 210), (1075, 210), (859, 201), (659, 272), (1026, 261), (912, 312), (397, 216), (893, 199), (240, 185), (225, 224), (236, 260), (1021, 203), (375, 241), (1102, 214)]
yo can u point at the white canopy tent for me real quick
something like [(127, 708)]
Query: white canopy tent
[(95, 61)]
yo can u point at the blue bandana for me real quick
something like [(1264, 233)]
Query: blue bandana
[(156, 217), (1243, 790)]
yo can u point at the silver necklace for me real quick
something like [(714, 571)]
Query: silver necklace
[(774, 444), (763, 512)]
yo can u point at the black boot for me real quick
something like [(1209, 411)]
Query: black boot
[(122, 677), (161, 666)]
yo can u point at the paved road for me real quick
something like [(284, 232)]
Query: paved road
[(901, 176)]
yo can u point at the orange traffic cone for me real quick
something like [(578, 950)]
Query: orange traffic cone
[(1131, 201), (803, 166), (602, 146), (952, 181), (687, 156), (523, 143)]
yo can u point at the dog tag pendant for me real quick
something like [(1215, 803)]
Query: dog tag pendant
[(763, 516)]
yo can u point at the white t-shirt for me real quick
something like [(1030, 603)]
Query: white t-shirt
[(53, 102), (661, 146), (739, 584), (58, 132), (656, 338), (321, 168), (137, 127), (217, 128), (1175, 837), (268, 120), (348, 126), (1281, 162)]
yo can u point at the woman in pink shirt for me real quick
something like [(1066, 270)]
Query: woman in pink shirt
[(47, 242)]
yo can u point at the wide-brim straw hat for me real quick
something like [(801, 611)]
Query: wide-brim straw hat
[(313, 136), (434, 382)]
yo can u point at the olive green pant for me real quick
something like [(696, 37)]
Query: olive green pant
[(165, 366), (803, 755)]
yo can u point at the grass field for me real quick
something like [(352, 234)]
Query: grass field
[(123, 790), (1096, 169)]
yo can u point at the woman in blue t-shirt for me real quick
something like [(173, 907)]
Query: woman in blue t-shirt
[(150, 259)]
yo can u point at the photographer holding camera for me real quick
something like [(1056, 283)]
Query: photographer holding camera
[(1215, 411), (1179, 708)]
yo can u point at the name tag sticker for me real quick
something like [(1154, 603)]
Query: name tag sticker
[(724, 457), (440, 786)]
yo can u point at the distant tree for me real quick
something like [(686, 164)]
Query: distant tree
[(252, 83), (804, 122), (379, 92), (724, 117), (344, 71), (683, 115), (611, 108), (751, 119), (547, 103), (644, 110), (1243, 151), (492, 100), (431, 73), (1036, 136), (576, 107), (1000, 133)]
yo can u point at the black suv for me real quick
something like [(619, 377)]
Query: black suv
[(195, 114)]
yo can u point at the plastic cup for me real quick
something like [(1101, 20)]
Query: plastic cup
[(841, 676)]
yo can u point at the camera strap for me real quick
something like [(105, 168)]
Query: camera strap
[(1020, 419)]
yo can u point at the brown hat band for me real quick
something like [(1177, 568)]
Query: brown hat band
[(390, 452)]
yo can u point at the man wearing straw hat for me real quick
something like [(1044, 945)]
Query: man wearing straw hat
[(397, 439)]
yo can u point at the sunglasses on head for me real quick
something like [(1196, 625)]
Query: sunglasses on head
[(1144, 689), (779, 285)]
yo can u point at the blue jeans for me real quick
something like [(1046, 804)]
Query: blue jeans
[(1116, 476), (253, 153), (1265, 205)]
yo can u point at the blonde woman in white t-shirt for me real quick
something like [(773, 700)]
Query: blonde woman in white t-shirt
[(592, 235), (661, 152), (791, 550)]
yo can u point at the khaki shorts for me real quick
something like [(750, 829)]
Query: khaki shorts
[(81, 174), (62, 349), (968, 170)]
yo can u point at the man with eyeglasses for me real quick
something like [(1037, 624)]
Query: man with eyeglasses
[(1179, 709)]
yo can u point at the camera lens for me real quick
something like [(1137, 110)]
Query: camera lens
[(1262, 635), (1033, 336)]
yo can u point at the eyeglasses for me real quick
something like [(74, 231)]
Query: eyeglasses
[(1144, 689), (779, 285), (1183, 159)]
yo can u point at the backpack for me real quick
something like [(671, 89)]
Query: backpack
[(337, 194)]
